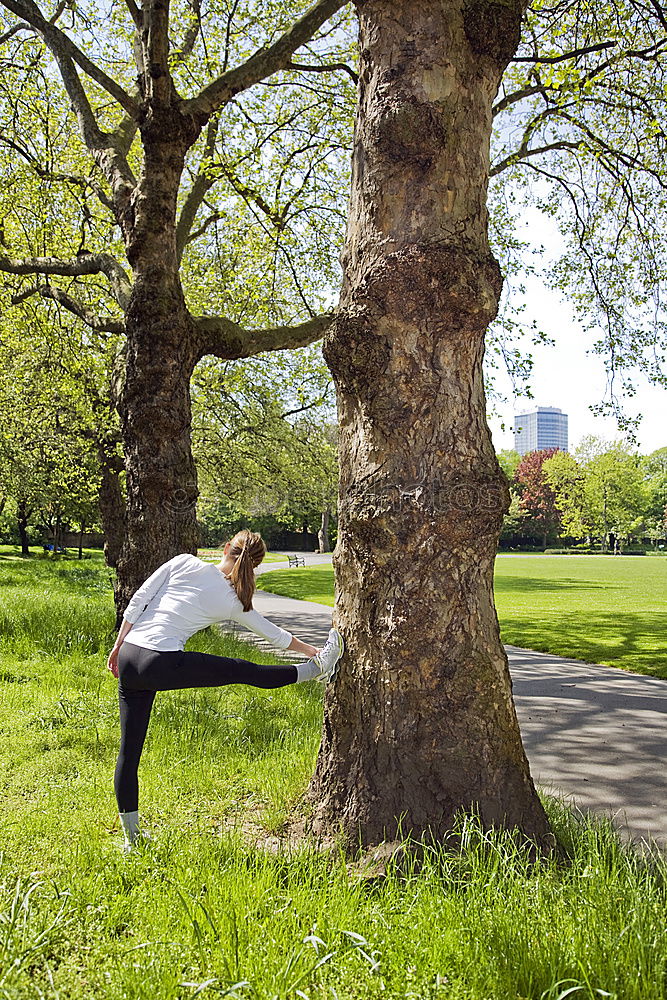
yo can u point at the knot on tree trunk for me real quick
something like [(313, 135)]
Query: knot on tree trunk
[(354, 350), (412, 303), (408, 131), (448, 508), (448, 280), (165, 126), (493, 27)]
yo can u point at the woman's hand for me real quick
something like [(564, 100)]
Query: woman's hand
[(296, 646), (112, 662)]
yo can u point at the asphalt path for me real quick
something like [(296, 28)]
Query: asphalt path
[(593, 734)]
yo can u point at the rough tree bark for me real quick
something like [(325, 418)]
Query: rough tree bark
[(421, 721), (154, 400)]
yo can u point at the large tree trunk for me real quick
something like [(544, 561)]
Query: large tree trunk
[(421, 721), (162, 350)]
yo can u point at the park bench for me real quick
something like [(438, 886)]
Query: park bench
[(296, 560)]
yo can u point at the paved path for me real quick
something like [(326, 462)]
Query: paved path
[(596, 734)]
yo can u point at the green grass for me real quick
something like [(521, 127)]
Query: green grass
[(211, 555), (600, 609), (206, 910)]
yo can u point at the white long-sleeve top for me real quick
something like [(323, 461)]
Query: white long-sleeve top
[(185, 595)]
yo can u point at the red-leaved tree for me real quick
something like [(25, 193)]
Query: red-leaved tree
[(536, 497)]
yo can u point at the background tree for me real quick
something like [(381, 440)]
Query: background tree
[(50, 468), (580, 136), (168, 133), (537, 499), (263, 439), (655, 469), (601, 490), (566, 478), (509, 461)]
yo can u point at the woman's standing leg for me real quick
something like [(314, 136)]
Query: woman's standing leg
[(135, 712)]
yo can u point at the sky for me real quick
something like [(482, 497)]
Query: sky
[(567, 376)]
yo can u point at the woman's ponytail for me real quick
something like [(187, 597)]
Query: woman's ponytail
[(249, 549)]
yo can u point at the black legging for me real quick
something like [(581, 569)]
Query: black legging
[(142, 672)]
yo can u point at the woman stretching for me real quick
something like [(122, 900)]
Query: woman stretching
[(181, 597)]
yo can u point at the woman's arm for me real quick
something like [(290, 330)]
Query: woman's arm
[(124, 629), (149, 590), (278, 637)]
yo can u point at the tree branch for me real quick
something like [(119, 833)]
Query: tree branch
[(49, 175), (86, 263), (14, 31), (123, 137), (252, 196), (651, 51), (325, 69), (103, 148), (191, 34), (203, 182), (226, 339), (61, 45), (98, 323), (573, 54), (206, 224), (525, 153), (517, 95), (136, 13), (264, 62), (156, 33), (660, 14)]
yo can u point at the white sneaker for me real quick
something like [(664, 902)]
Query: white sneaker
[(328, 657), (142, 839)]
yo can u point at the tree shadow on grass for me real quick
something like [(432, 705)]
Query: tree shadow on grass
[(526, 584), (633, 641)]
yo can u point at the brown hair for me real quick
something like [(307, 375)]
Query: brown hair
[(248, 548)]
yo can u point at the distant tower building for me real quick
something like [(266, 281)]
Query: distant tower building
[(545, 427)]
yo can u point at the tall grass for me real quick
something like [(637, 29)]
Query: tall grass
[(217, 905)]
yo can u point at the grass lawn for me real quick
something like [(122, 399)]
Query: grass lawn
[(206, 910), (601, 609), (214, 555)]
